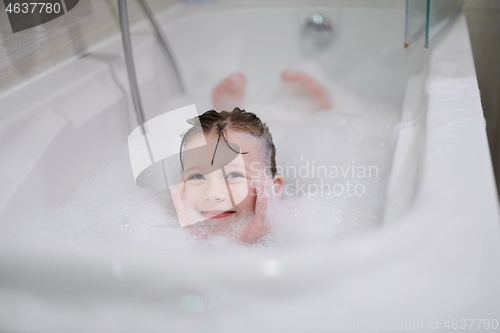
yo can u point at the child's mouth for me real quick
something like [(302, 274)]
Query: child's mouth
[(217, 214)]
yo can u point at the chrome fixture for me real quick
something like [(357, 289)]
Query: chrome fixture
[(132, 77), (129, 60), (163, 42), (317, 33)]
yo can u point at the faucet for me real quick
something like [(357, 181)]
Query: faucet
[(317, 33)]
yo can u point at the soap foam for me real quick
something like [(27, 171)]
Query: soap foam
[(107, 211)]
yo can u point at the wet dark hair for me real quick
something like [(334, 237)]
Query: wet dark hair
[(237, 120)]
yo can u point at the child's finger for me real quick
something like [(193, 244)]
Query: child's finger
[(257, 228), (261, 207), (262, 200)]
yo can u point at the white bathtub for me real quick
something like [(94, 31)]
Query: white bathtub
[(435, 259)]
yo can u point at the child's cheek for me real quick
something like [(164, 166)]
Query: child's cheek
[(239, 191), (190, 195)]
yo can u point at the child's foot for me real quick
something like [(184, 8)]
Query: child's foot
[(300, 84), (230, 92)]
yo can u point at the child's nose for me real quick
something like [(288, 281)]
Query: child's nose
[(216, 190)]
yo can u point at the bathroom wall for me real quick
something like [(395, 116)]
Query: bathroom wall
[(483, 18), (30, 52)]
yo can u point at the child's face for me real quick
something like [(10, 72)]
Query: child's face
[(228, 194)]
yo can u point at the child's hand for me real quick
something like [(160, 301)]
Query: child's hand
[(257, 228)]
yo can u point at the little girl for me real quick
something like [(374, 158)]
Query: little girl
[(229, 166)]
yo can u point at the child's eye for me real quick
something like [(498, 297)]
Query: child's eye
[(196, 176), (235, 175)]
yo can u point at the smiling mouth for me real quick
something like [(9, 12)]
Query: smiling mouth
[(217, 214)]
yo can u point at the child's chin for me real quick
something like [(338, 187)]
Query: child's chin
[(231, 225), (216, 225), (222, 216)]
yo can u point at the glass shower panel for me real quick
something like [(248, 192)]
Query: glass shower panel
[(430, 17), (416, 20), (440, 14)]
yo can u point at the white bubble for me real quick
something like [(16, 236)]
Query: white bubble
[(107, 211), (192, 303), (117, 269), (271, 268)]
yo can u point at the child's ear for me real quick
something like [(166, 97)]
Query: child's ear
[(278, 185)]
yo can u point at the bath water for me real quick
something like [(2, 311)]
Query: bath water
[(335, 164)]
